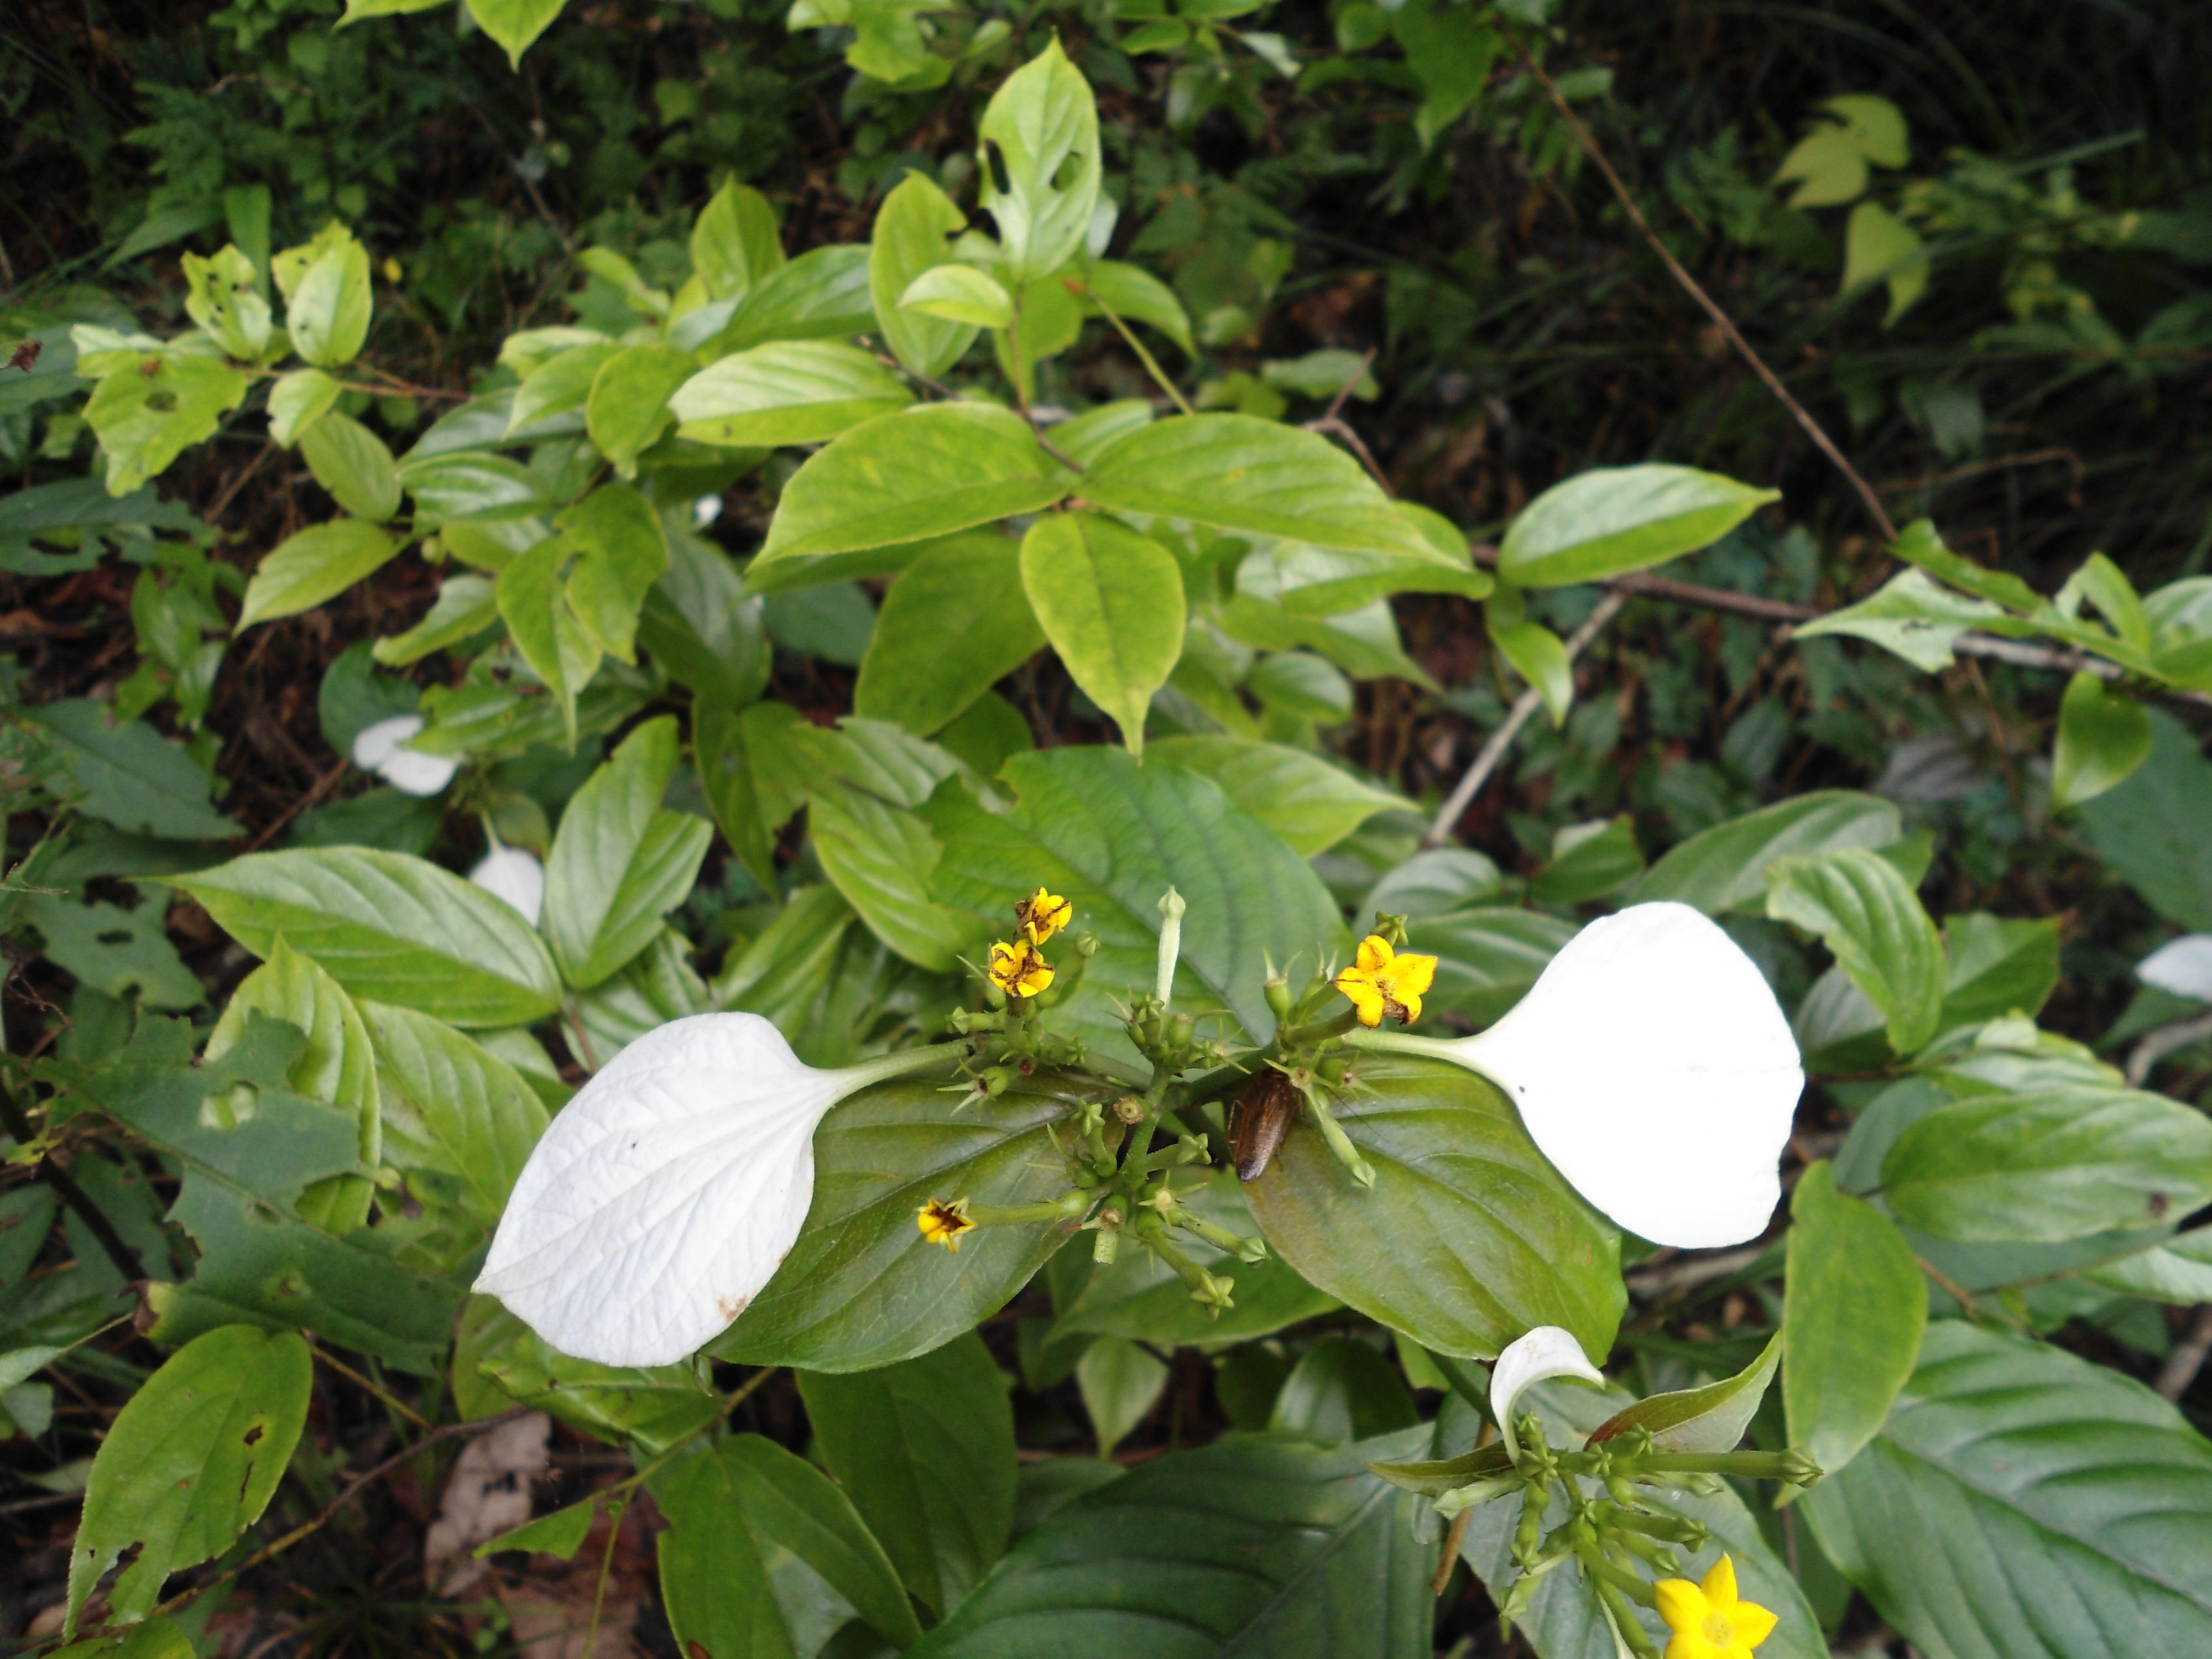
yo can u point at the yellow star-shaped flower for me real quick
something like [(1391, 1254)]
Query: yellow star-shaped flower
[(1018, 969), (1710, 1622), (943, 1224), (1043, 914), (1387, 982)]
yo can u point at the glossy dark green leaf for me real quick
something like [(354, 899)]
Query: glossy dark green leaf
[(1617, 519), (954, 623), (1488, 958), (1865, 912), (1724, 868), (1587, 861), (1467, 1238), (1342, 1389)]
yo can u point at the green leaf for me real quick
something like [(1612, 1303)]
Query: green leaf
[(131, 776), (317, 564), (2023, 1503), (620, 861), (1040, 135), (190, 1463), (1867, 914), (628, 405), (1307, 800), (622, 551), (388, 928), (1135, 296), (862, 1287), (1342, 1390), (904, 478), (1278, 1547), (327, 301), (1301, 686), (559, 385), (703, 627), (1880, 247), (1613, 520), (1827, 167), (1852, 1317), (2150, 830), (1113, 836), (656, 986), (1362, 642), (734, 243), (794, 391), (1538, 653), (1919, 545), (823, 294), (117, 951), (1909, 616), (453, 1107), (1111, 602), (925, 1448), (1120, 1383), (465, 606), (1588, 860), (152, 407), (2104, 735), (2178, 1271), (514, 23), (221, 297), (1469, 1237), (157, 1638), (912, 233), (1711, 1418), (560, 1534), (297, 401), (499, 1361), (352, 463), (1999, 967), (533, 602), (881, 857), (2054, 1165), (789, 1503), (959, 294), (470, 485), (955, 623), (1724, 868), (1237, 472)]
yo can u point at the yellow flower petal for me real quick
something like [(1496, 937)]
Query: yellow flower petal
[(1375, 954), (943, 1224), (1365, 996), (1682, 1605), (1690, 1645), (1412, 975), (1043, 914), (1720, 1584), (1753, 1624)]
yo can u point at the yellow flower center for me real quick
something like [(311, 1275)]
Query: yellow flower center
[(1720, 1630)]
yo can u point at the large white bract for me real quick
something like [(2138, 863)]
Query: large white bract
[(381, 749), (665, 1194), (1544, 1353), (510, 874), (2182, 966), (1652, 1065)]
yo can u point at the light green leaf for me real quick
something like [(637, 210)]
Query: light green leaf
[(1853, 1315), (315, 565), (1724, 868), (959, 294), (735, 247), (533, 602), (881, 856), (628, 405), (514, 23), (1111, 602), (1135, 296), (151, 408), (223, 296), (1910, 615), (1711, 1418), (190, 1463), (1040, 134), (470, 485), (796, 392), (1307, 800), (561, 383), (1878, 247), (131, 775), (465, 606), (911, 236), (620, 862), (1120, 1383), (498, 1361), (157, 1638), (2104, 735), (622, 551), (654, 987), (560, 1534), (1827, 167), (327, 301), (1237, 472), (823, 294), (352, 463), (1874, 126), (453, 1107), (388, 928), (703, 627), (296, 401), (1871, 919), (1301, 686), (1613, 520), (1539, 654), (955, 623)]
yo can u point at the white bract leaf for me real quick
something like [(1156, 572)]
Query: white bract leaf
[(667, 1193), (381, 749), (2182, 966), (1543, 1353), (510, 874), (1652, 1065)]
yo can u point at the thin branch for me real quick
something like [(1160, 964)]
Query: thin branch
[(2167, 1039), (2188, 1356), (1721, 319), (1151, 364), (18, 1125), (1522, 711), (1336, 426), (1344, 392), (1655, 1282)]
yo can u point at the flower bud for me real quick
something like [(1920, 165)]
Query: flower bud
[(1171, 911), (1129, 1109)]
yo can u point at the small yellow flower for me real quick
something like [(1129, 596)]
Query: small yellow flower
[(1387, 982), (1710, 1622), (943, 1224), (1018, 969), (1043, 914)]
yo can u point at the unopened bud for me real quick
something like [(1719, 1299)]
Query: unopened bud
[(1086, 945), (1129, 1109), (1171, 910), (994, 1080)]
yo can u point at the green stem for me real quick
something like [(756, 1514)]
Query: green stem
[(1151, 365), (1453, 1049), (861, 1074)]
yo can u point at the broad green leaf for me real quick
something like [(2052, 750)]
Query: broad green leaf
[(1867, 914), (734, 243), (222, 297), (388, 928), (1488, 958), (881, 857), (1091, 824), (1095, 431), (792, 391), (352, 463), (911, 236), (465, 606), (1852, 1317), (1878, 247), (1909, 616), (1140, 1298), (1711, 1418), (131, 775), (1435, 882), (1320, 581), (1362, 642), (862, 1287), (1040, 135), (1537, 653), (823, 294), (327, 301), (2104, 735), (713, 1583), (1120, 1383), (2023, 1503), (1111, 602), (1307, 800), (560, 1534), (2178, 1271), (190, 1463), (1342, 1390), (514, 23), (157, 404), (533, 602), (453, 1107), (1918, 544), (906, 477), (499, 1361), (1612, 520), (1827, 166), (119, 952), (157, 1638), (1468, 1237), (1278, 1548), (1302, 685), (470, 485), (317, 564), (1999, 967), (628, 405), (1724, 868), (1135, 296), (1588, 861), (2150, 830), (722, 751), (620, 861), (925, 1448), (560, 384), (955, 623), (959, 294), (2054, 1165), (703, 627), (790, 1503), (656, 986), (622, 551), (1237, 472)]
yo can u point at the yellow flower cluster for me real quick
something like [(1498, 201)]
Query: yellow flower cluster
[(1711, 1622), (943, 1224), (1017, 966), (1389, 982)]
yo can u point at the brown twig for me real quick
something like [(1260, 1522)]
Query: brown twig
[(1699, 1270), (1337, 427), (2167, 1039), (322, 787), (1721, 320), (2188, 1356)]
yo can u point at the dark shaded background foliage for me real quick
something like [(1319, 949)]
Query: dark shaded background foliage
[(2045, 399)]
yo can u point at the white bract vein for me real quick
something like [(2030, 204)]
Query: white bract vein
[(1653, 1067), (666, 1194), (2182, 966), (510, 874), (381, 749), (1544, 1353)]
